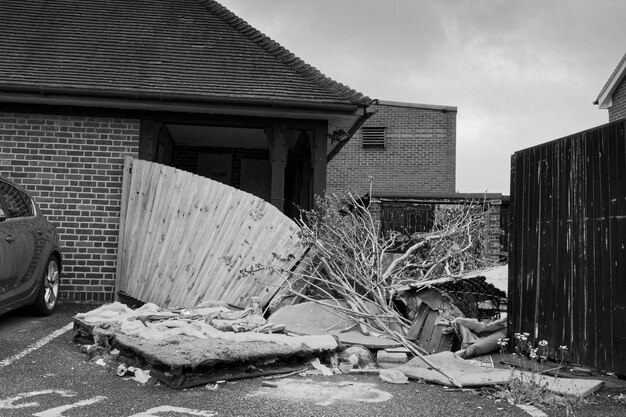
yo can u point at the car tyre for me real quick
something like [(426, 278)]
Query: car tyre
[(48, 293)]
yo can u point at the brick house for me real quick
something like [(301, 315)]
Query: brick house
[(186, 83), (408, 152), (613, 94), (406, 149)]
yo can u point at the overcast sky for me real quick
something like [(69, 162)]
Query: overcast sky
[(520, 72)]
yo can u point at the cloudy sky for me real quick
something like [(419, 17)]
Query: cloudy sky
[(520, 72)]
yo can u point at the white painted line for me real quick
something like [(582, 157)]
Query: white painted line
[(38, 344), (58, 411)]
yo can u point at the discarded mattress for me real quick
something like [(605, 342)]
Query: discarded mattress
[(178, 344)]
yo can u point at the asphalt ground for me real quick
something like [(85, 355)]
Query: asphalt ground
[(43, 373)]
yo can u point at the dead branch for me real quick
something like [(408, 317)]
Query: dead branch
[(346, 253)]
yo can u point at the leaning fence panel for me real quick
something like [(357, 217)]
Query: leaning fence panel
[(185, 239)]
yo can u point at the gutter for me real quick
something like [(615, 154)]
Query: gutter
[(34, 94), (342, 137)]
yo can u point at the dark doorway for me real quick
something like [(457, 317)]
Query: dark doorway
[(298, 173)]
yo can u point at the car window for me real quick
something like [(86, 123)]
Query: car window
[(16, 202)]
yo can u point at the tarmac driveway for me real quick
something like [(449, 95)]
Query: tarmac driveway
[(43, 373)]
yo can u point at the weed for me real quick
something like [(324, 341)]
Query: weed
[(527, 384)]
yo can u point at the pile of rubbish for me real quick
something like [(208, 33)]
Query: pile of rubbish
[(215, 341), (351, 299), (329, 294)]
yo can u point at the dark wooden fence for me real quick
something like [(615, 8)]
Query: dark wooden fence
[(567, 253), (407, 217), (414, 215)]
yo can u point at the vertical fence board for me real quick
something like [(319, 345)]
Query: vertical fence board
[(618, 216)]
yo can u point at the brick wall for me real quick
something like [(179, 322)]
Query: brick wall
[(73, 167), (618, 108), (419, 157)]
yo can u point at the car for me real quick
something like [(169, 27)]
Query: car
[(30, 255)]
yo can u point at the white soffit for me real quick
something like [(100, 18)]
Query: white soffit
[(605, 99)]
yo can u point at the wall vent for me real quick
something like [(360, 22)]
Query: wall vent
[(373, 137)]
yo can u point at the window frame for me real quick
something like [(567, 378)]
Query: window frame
[(26, 200)]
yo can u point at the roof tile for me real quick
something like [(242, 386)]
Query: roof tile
[(189, 47)]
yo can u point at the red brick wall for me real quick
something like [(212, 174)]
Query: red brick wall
[(419, 157), (618, 109), (73, 167)]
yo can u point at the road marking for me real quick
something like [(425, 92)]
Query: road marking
[(58, 411), (8, 403), (38, 344), (154, 412)]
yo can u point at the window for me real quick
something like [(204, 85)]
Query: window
[(373, 137), (17, 203)]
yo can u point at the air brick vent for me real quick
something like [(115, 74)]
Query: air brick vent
[(373, 137)]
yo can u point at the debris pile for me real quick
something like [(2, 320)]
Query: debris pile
[(390, 285), (355, 301)]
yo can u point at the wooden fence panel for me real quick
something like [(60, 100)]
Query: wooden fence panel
[(567, 254), (185, 239), (407, 218)]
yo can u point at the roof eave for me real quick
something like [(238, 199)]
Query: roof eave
[(605, 98), (158, 101)]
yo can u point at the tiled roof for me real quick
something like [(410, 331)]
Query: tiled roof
[(194, 48)]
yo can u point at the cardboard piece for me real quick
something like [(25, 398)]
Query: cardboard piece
[(462, 371), (470, 375), (311, 318)]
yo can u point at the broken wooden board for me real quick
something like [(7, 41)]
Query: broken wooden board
[(188, 379), (469, 375), (185, 239), (425, 331), (314, 319)]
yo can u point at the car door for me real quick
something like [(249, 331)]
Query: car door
[(18, 244), (6, 271)]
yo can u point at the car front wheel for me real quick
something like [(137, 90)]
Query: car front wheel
[(48, 293)]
